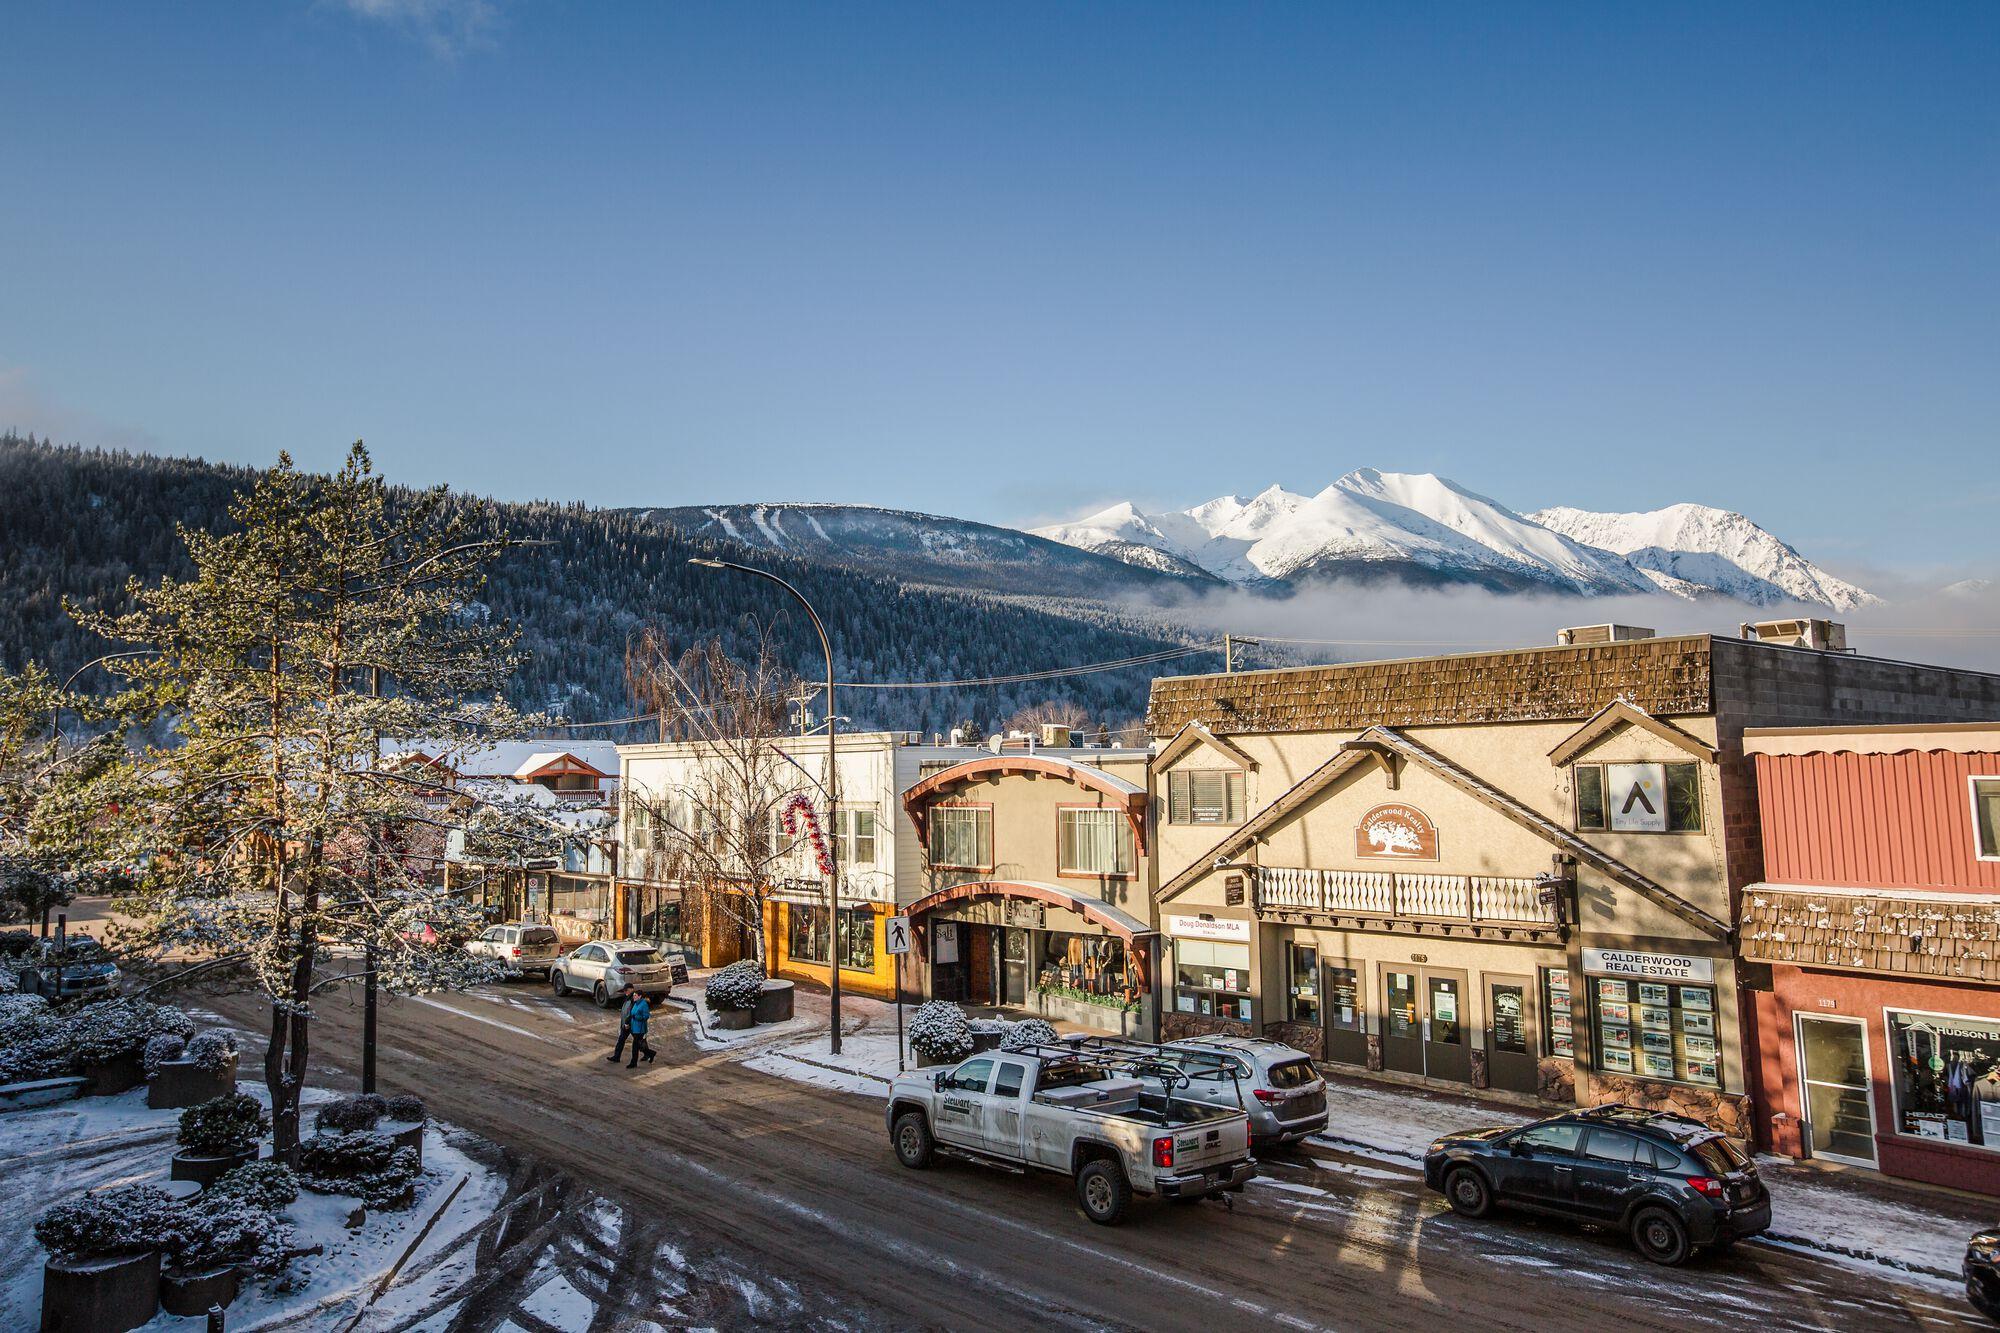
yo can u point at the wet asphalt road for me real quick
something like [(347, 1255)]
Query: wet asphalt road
[(784, 1199)]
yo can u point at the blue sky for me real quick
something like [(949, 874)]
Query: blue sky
[(1009, 261)]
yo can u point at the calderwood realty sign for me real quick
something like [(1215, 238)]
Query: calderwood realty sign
[(1396, 832), (1652, 966)]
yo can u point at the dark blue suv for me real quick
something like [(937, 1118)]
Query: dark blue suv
[(1673, 1184)]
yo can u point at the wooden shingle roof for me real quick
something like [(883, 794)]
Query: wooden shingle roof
[(1946, 936), (1661, 676)]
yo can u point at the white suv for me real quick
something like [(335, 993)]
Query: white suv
[(606, 967), (520, 947)]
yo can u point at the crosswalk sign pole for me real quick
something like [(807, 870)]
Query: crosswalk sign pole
[(898, 940)]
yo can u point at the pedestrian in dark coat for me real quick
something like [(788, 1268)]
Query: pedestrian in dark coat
[(639, 1017), (624, 1025)]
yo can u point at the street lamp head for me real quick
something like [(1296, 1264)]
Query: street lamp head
[(706, 563)]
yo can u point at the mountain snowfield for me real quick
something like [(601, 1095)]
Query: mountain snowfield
[(1421, 528)]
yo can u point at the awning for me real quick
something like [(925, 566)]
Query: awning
[(1091, 908)]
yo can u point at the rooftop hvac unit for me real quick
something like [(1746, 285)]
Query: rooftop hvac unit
[(1055, 736), (1601, 634), (1828, 636)]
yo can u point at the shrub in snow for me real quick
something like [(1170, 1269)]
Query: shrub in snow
[(20, 1009), (736, 986), (138, 1217), (114, 1029), (938, 1031), (265, 1184), (160, 1050), (213, 1051), (989, 1027), (16, 943), (351, 1114), (229, 1124), (10, 983), (405, 1110), (367, 1165), (1028, 1032), (230, 1231)]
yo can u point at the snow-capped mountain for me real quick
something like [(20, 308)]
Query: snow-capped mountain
[(1712, 549), (1420, 528)]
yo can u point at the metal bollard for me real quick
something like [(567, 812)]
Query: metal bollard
[(214, 1319)]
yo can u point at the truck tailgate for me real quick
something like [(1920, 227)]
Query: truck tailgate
[(1211, 1143)]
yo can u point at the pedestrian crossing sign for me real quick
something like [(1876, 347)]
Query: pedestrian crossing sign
[(897, 936)]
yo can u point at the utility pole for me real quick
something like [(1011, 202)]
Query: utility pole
[(1229, 642), (368, 952)]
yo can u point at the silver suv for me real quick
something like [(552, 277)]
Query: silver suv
[(605, 967), (1279, 1087), (518, 946)]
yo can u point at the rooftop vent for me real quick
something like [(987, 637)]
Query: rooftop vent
[(1055, 736), (1601, 634), (1826, 635)]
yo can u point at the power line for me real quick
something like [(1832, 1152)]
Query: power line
[(1026, 676)]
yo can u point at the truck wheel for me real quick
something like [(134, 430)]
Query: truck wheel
[(913, 1140), (1467, 1193), (1660, 1236), (1104, 1192)]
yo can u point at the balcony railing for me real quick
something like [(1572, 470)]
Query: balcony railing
[(1383, 893)]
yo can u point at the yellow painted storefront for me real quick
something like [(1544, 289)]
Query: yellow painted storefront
[(879, 980)]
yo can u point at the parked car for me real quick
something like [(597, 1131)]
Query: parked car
[(1673, 1184), (602, 968), (1982, 1273), (1275, 1083), (1103, 1118), (80, 970), (519, 945)]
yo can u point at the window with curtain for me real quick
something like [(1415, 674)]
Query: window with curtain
[(854, 836), (1205, 797), (1094, 842), (961, 836)]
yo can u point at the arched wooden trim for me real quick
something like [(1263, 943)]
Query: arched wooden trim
[(1130, 799), (1119, 923)]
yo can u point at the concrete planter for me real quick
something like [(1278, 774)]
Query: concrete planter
[(193, 1293), (206, 1170), (102, 1295), (406, 1135), (108, 1078), (732, 1020), (987, 1041), (39, 1092), (181, 1083), (774, 1003), (932, 1062)]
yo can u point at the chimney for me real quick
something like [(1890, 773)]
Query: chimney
[(1055, 736)]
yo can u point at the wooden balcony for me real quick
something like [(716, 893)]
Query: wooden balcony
[(1389, 900)]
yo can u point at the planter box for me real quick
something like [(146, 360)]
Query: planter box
[(193, 1293), (987, 1041), (930, 1062), (180, 1083), (39, 1092), (732, 1020), (111, 1077), (774, 1003), (406, 1135), (207, 1170), (100, 1295)]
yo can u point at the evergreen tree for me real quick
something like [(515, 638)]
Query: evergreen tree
[(327, 619)]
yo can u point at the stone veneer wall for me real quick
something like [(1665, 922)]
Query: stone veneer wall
[(1728, 1112)]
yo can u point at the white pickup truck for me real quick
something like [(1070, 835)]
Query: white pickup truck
[(1110, 1122)]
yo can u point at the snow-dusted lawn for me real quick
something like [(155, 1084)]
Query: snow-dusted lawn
[(55, 1152)]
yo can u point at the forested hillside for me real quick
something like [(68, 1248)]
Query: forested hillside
[(77, 523)]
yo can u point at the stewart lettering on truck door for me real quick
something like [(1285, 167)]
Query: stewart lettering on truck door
[(961, 1111)]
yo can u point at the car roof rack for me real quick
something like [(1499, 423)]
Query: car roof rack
[(1180, 1057), (1621, 1111)]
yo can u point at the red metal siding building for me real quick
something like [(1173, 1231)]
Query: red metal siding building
[(1878, 1040)]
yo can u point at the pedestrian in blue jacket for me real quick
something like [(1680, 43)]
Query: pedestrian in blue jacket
[(639, 1017)]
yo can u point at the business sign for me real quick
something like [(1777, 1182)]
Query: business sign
[(1396, 832), (1655, 966), (1208, 928), (1635, 797)]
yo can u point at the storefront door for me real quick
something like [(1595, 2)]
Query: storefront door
[(1014, 981), (1346, 1015), (1402, 1023), (1833, 1077), (1511, 1038), (982, 963), (1423, 1023)]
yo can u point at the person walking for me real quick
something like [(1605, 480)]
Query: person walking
[(626, 995), (639, 1017)]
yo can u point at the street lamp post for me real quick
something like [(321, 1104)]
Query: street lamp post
[(832, 788)]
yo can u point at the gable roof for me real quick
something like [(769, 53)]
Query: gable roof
[(1362, 750), (1194, 734), (1618, 714), (562, 759)]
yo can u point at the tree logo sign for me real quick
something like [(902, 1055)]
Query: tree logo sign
[(1396, 832)]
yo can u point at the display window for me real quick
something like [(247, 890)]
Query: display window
[(1213, 978), (806, 936), (1947, 1077), (1654, 1029), (1305, 983), (1558, 1038)]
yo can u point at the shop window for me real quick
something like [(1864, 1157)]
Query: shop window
[(1199, 797), (1212, 978), (1305, 983), (1679, 793), (961, 837), (1655, 1029), (1094, 842), (1986, 816), (1092, 968), (1947, 1077), (1557, 1035), (1343, 999), (805, 936)]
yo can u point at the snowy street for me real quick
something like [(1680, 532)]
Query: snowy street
[(751, 1184)]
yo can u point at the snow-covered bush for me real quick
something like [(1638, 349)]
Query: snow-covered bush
[(736, 986), (212, 1051), (938, 1031), (10, 982), (1028, 1032), (351, 1114), (220, 1230), (223, 1126), (138, 1217), (114, 1029), (16, 1008), (266, 1184), (367, 1165), (16, 943), (161, 1050), (405, 1109)]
